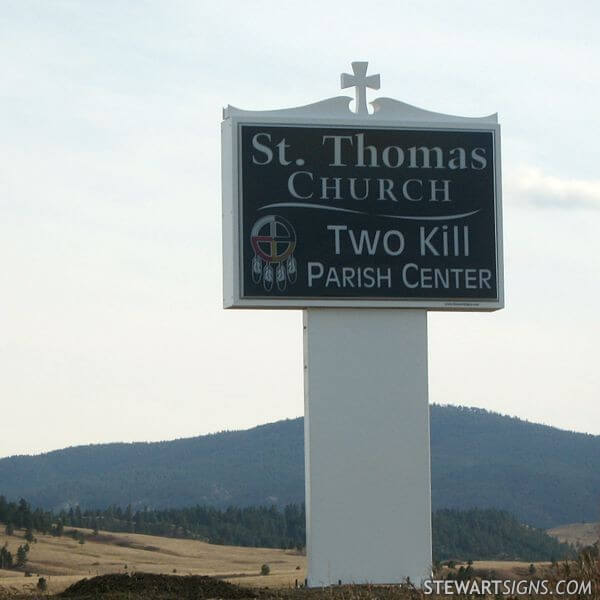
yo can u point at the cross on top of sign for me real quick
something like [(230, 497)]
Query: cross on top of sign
[(361, 81)]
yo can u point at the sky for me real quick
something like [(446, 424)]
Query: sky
[(111, 319)]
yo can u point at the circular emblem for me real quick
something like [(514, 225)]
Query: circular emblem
[(273, 240)]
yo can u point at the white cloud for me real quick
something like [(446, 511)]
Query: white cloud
[(531, 186)]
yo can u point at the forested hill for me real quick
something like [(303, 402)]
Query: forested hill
[(457, 534), (544, 476)]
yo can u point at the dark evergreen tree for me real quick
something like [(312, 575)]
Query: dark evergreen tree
[(21, 514), (6, 558), (21, 556)]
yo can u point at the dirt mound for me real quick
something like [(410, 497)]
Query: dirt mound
[(149, 585)]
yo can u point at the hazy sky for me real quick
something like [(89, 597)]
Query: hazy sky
[(111, 326)]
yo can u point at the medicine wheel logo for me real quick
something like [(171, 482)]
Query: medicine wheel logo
[(273, 240)]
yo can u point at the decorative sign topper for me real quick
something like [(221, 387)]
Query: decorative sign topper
[(327, 207)]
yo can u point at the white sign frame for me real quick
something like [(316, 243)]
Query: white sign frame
[(335, 112)]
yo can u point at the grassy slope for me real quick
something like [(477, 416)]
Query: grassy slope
[(578, 534), (63, 561)]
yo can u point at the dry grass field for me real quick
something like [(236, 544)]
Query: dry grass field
[(578, 534), (62, 561)]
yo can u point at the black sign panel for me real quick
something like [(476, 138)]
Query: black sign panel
[(353, 213)]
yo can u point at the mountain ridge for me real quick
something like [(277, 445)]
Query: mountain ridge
[(544, 475), (225, 431)]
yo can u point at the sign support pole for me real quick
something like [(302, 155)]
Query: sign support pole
[(368, 491)]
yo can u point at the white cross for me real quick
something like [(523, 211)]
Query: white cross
[(361, 82)]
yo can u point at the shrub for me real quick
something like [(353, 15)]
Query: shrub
[(42, 584), (265, 569)]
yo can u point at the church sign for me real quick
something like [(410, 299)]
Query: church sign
[(342, 212), (363, 210)]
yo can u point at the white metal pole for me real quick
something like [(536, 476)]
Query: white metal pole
[(368, 491)]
